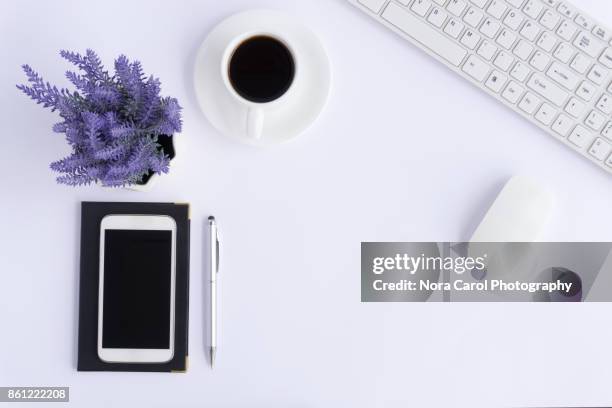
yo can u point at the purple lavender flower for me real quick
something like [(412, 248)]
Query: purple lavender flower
[(113, 122)]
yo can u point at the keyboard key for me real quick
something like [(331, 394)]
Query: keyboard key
[(516, 3), (605, 104), (546, 114), (476, 68), (549, 19), (563, 76), (600, 149), (530, 31), (566, 30), (437, 17), (566, 10), (529, 103), (496, 81), (513, 92), (490, 28), (479, 3), (581, 64), (424, 34), (595, 121), (487, 50), (539, 61), (607, 131), (454, 28), (373, 5), (470, 39), (533, 8), (506, 39), (547, 89), (503, 61), (562, 125), (589, 45), (497, 8), (440, 2), (551, 3), (514, 19), (564, 52), (598, 75), (456, 7), (606, 58), (523, 50), (547, 41), (586, 91), (580, 137), (575, 108), (584, 22), (473, 17), (609, 162), (520, 71), (602, 33), (421, 7)]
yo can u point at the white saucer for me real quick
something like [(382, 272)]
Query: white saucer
[(287, 121)]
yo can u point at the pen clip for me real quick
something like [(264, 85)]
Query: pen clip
[(217, 248)]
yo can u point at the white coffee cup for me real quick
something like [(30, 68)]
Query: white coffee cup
[(256, 111)]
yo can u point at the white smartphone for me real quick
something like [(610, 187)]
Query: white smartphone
[(136, 298)]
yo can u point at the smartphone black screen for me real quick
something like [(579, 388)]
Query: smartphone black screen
[(137, 285)]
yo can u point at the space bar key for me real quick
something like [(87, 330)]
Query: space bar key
[(424, 34)]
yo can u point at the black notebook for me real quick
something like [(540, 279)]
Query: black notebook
[(92, 214)]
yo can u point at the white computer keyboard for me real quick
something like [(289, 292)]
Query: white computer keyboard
[(545, 59)]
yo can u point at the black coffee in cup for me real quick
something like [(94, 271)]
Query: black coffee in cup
[(261, 69)]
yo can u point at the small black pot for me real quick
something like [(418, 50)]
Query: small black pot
[(166, 144)]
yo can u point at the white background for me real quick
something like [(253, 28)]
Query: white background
[(404, 151)]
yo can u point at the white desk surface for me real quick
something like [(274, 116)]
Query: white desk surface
[(404, 151)]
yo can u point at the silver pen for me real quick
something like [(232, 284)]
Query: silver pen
[(214, 270)]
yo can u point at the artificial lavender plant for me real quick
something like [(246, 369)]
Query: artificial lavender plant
[(112, 122)]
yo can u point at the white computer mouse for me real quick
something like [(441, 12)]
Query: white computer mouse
[(517, 218)]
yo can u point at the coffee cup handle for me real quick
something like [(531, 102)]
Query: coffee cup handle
[(255, 121)]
